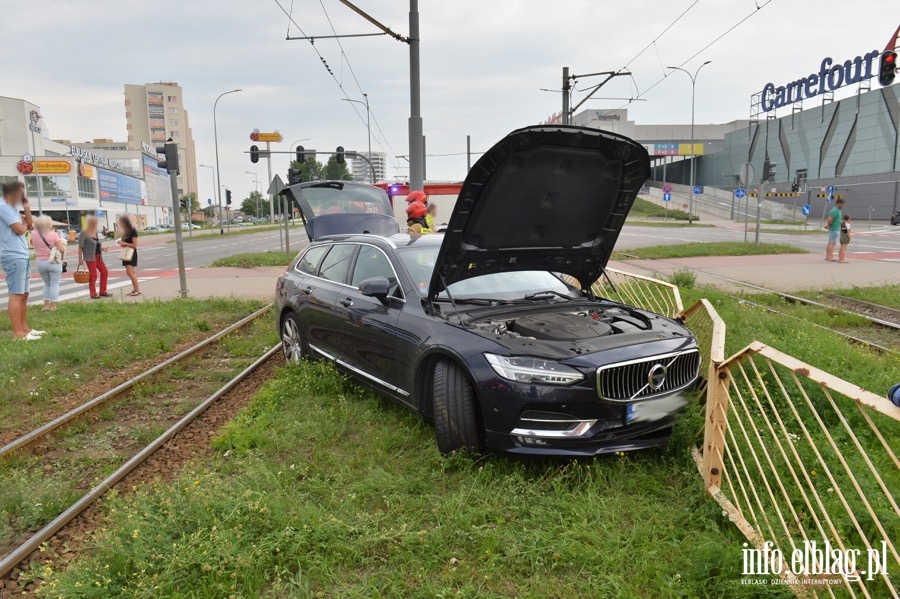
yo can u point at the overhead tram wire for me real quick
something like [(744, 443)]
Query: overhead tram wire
[(356, 80), (697, 53), (333, 76)]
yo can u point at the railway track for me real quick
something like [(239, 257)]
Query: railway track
[(877, 315), (107, 438)]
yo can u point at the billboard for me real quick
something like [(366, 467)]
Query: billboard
[(115, 187), (159, 189)]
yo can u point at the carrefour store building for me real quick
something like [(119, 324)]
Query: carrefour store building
[(68, 181)]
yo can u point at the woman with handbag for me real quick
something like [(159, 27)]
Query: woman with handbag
[(49, 251), (90, 251), (128, 255)]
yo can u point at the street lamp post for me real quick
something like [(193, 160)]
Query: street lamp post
[(368, 129), (693, 153), (256, 182), (218, 170), (37, 173), (213, 174)]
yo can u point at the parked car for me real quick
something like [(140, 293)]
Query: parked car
[(153, 229), (895, 218), (476, 329), (186, 226)]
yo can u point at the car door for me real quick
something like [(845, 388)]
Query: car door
[(368, 333), (320, 319)]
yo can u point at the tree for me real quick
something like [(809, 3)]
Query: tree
[(255, 205), (195, 205), (335, 171)]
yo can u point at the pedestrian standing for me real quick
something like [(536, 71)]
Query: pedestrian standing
[(14, 258), (49, 251), (129, 240), (846, 234), (90, 252), (835, 217), (431, 215)]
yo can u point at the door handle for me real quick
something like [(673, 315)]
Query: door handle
[(308, 289), (347, 302)]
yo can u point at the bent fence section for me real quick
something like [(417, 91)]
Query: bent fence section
[(801, 461)]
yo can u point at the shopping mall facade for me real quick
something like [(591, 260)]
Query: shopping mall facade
[(69, 181)]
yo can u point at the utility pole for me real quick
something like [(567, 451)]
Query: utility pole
[(566, 90), (170, 164), (693, 153), (468, 153), (416, 141)]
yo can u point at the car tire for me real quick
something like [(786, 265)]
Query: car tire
[(293, 341), (456, 425)]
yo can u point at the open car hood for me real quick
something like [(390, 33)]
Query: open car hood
[(548, 198), (342, 207)]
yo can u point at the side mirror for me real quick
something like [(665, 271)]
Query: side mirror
[(378, 287)]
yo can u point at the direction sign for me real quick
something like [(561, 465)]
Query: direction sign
[(740, 192), (276, 186), (747, 174), (209, 201), (698, 189), (667, 197), (830, 189), (806, 209), (667, 188), (257, 135)]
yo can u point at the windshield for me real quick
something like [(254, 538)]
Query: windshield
[(337, 198), (419, 263)]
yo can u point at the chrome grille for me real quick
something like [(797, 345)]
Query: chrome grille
[(628, 381)]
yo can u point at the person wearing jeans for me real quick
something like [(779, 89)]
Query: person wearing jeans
[(49, 263), (14, 258), (90, 252)]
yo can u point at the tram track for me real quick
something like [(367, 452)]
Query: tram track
[(49, 447)]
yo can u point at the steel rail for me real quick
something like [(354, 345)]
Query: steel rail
[(29, 439), (11, 560)]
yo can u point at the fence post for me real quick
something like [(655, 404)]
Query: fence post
[(716, 421)]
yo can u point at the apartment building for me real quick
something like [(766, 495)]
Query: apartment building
[(154, 113), (361, 170)]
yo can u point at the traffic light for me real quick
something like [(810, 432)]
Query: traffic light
[(170, 151), (254, 154), (340, 154), (294, 176), (300, 154), (887, 68), (184, 204), (795, 187), (768, 172), (228, 197)]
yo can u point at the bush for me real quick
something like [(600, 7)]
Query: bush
[(683, 278)]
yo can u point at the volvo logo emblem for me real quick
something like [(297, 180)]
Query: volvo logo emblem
[(657, 376)]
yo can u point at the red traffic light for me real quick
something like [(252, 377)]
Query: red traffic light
[(889, 58), (887, 69)]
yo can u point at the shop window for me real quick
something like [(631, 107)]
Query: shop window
[(50, 186), (87, 188)]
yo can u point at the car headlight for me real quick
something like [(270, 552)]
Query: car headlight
[(533, 370)]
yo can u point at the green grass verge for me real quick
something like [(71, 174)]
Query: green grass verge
[(885, 295), (323, 489), (87, 340), (642, 207), (658, 223), (255, 260), (715, 248)]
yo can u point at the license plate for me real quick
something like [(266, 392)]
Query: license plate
[(655, 409)]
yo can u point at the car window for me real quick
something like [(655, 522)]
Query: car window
[(334, 197), (419, 263), (371, 262), (309, 262), (336, 264)]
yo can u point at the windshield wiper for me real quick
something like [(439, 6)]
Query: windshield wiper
[(481, 301), (547, 295)]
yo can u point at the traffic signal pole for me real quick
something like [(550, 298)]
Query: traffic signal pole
[(179, 238)]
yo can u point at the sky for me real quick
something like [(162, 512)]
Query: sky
[(483, 66)]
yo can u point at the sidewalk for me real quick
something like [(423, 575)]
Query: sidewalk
[(783, 272), (204, 283)]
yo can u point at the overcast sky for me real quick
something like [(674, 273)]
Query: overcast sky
[(483, 64)]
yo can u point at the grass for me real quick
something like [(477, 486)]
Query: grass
[(322, 489), (885, 295), (240, 231), (658, 223), (90, 340), (715, 248), (646, 208), (255, 260)]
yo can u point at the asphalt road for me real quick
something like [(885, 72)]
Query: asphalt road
[(157, 252)]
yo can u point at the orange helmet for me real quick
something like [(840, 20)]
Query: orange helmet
[(416, 196), (416, 210)]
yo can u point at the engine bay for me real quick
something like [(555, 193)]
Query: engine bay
[(564, 326)]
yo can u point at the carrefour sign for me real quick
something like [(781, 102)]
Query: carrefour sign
[(831, 76)]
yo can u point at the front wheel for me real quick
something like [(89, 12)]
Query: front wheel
[(293, 343), (455, 407)]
